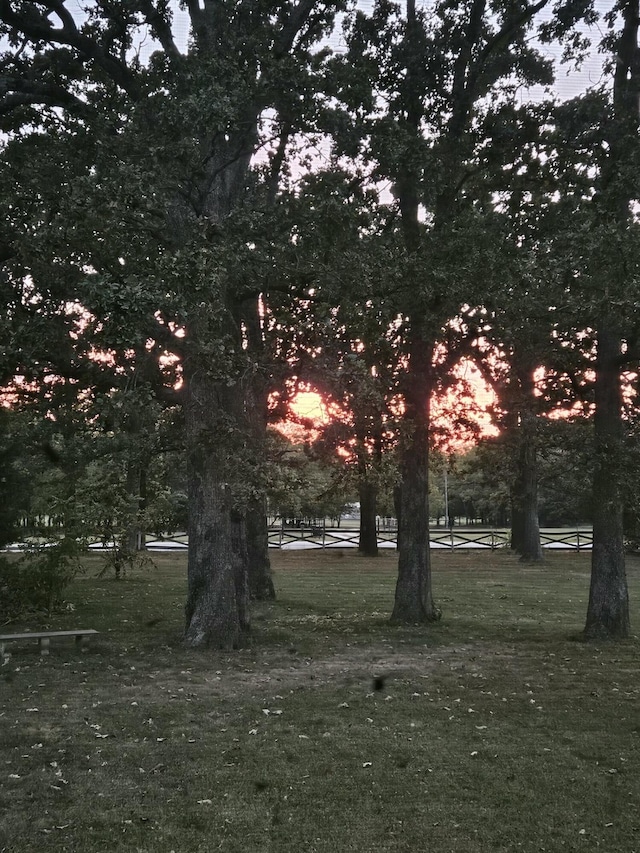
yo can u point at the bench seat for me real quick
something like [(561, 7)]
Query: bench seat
[(81, 635)]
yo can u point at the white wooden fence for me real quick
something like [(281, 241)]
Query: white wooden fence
[(308, 538)]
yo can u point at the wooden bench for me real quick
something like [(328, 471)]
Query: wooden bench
[(82, 636)]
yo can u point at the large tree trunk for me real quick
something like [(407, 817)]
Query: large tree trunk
[(217, 598), (608, 610), (368, 534), (525, 533), (217, 431), (414, 598)]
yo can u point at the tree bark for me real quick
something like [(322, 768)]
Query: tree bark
[(525, 535), (368, 534), (217, 597), (608, 609), (256, 414), (414, 598), (133, 536)]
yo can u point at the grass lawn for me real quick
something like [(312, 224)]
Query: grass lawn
[(495, 730)]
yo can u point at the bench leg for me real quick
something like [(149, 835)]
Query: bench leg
[(82, 640), (44, 645)]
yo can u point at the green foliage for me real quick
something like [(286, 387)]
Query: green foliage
[(480, 480), (300, 485), (14, 479), (38, 579), (121, 561), (478, 483)]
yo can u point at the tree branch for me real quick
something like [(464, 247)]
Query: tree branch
[(299, 15), (196, 16), (38, 28), (17, 92), (160, 27), (507, 30)]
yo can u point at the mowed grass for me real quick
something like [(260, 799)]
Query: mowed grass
[(494, 730)]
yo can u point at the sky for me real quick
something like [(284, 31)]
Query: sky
[(570, 81), (311, 405)]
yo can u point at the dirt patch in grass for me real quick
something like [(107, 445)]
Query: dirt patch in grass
[(353, 666)]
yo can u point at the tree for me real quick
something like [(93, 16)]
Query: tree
[(155, 210), (608, 609), (598, 255), (337, 334), (428, 83), (482, 481)]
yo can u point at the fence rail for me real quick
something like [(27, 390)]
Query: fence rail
[(317, 537), (299, 539)]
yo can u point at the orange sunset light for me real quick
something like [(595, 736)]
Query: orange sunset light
[(310, 404), (460, 415)]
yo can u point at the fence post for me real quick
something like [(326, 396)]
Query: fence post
[(324, 531), (578, 538), (281, 532)]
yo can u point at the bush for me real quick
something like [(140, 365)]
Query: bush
[(37, 580), (123, 561)]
